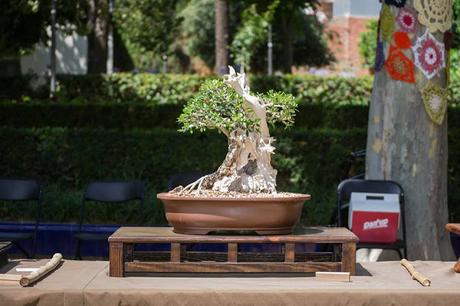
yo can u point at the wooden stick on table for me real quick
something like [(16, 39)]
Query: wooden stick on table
[(28, 280), (416, 275)]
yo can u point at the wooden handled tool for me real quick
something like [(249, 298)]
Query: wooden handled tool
[(42, 271), (454, 228), (27, 280), (416, 275)]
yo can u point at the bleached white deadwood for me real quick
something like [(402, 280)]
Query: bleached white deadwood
[(247, 165)]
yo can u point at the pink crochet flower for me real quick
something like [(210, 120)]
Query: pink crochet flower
[(407, 20), (429, 54)]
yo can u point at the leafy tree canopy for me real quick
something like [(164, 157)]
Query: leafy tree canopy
[(368, 42), (148, 28), (25, 22), (218, 106), (252, 33)]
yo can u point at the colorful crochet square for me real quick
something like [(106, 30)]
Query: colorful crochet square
[(436, 15), (399, 66), (379, 57), (407, 20), (435, 101), (402, 40), (429, 54), (387, 23), (397, 3)]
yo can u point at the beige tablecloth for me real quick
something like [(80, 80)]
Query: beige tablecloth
[(87, 283)]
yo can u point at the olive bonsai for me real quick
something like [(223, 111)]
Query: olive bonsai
[(243, 118)]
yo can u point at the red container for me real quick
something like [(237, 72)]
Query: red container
[(374, 218)]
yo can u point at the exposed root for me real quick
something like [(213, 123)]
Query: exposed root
[(191, 187)]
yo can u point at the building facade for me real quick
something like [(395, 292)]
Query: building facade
[(346, 20)]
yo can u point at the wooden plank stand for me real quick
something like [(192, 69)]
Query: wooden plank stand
[(178, 259)]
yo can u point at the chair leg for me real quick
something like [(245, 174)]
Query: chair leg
[(21, 249), (34, 248), (399, 253), (77, 251)]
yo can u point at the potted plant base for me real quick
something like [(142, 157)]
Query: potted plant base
[(241, 194), (265, 215)]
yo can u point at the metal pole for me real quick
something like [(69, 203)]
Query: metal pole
[(164, 57), (110, 39), (53, 50), (270, 51)]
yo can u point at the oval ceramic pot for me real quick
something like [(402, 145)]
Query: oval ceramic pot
[(263, 215)]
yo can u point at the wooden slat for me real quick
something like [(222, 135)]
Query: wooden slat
[(349, 258), (166, 235), (129, 251), (156, 267), (116, 264), (232, 252), (175, 252), (195, 256), (289, 252)]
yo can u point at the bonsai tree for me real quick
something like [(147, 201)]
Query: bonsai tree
[(228, 106)]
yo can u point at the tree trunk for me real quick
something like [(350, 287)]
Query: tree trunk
[(97, 38), (221, 37), (404, 145), (286, 37), (247, 166)]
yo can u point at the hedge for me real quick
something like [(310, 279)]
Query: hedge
[(161, 89), (66, 159), (122, 116), (125, 117)]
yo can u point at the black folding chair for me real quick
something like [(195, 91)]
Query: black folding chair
[(183, 179), (22, 189), (107, 192), (348, 186)]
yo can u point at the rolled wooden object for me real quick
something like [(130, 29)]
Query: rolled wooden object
[(42, 271), (416, 275), (10, 277), (454, 228)]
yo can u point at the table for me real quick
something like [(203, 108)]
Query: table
[(121, 245), (78, 283)]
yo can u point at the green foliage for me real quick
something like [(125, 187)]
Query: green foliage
[(281, 107), (66, 159), (142, 88), (24, 22), (124, 116), (197, 28), (368, 43), (456, 24), (218, 106), (454, 72), (215, 106), (310, 44), (148, 28), (252, 33), (155, 89)]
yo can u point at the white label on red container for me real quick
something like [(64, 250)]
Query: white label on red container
[(379, 223)]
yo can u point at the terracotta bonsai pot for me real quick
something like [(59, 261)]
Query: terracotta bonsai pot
[(202, 215)]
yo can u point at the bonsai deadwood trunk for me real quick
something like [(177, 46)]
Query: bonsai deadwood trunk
[(247, 166)]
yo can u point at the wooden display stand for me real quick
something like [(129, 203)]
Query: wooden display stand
[(179, 260)]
